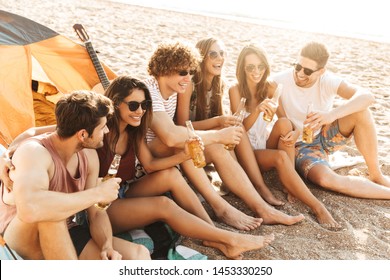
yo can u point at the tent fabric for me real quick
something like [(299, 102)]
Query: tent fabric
[(27, 50)]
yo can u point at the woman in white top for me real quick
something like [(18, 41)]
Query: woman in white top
[(203, 102), (270, 147)]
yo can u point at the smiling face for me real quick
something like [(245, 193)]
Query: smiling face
[(254, 68), (214, 59), (303, 80), (127, 116)]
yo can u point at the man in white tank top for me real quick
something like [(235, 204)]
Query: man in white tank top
[(310, 82)]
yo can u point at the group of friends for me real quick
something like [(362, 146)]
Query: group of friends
[(49, 174)]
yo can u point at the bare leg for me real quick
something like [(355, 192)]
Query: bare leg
[(49, 240), (283, 160), (361, 124), (224, 211), (248, 162), (143, 211), (350, 185), (128, 250), (198, 178), (157, 183), (294, 184), (238, 182)]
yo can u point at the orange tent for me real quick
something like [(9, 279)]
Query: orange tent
[(30, 51)]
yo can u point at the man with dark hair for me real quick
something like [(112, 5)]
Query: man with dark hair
[(310, 83), (55, 176)]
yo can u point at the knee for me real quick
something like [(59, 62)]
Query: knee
[(170, 174), (281, 158), (141, 252), (284, 125), (165, 204)]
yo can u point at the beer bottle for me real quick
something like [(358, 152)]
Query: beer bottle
[(275, 99), (195, 147), (239, 116), (112, 171), (307, 134)]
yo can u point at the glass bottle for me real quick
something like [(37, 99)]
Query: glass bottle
[(275, 99), (239, 117), (195, 147), (307, 134), (112, 171)]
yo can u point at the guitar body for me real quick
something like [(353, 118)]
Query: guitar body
[(104, 82), (99, 88)]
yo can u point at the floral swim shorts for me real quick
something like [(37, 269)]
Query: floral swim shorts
[(326, 142)]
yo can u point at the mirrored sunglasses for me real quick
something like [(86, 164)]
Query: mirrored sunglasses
[(134, 105), (306, 71), (251, 67), (185, 72), (214, 54)]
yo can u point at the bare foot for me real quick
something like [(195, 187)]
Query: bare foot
[(241, 243), (326, 220), (268, 196), (290, 197), (272, 216), (235, 218), (382, 180)]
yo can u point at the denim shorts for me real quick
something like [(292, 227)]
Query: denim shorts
[(326, 142)]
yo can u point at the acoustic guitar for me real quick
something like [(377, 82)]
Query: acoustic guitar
[(104, 81)]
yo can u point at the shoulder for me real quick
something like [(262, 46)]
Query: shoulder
[(91, 155), (233, 88), (272, 85), (92, 159)]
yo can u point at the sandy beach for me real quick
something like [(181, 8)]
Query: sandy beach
[(125, 36)]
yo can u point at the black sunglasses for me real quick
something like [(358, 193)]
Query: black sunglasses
[(251, 67), (214, 54), (185, 72), (307, 71), (134, 105)]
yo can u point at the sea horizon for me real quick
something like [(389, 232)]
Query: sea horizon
[(361, 19)]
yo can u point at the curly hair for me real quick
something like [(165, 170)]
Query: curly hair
[(170, 58)]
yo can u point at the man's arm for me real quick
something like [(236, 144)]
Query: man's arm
[(33, 199), (100, 226), (358, 100)]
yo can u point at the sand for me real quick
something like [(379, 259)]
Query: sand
[(125, 36)]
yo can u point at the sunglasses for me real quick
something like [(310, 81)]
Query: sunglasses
[(134, 105), (251, 67), (214, 54), (185, 72), (307, 71)]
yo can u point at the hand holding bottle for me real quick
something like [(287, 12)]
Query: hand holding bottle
[(195, 145), (111, 174), (270, 105), (107, 192)]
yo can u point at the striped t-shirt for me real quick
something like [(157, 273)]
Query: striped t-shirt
[(159, 103)]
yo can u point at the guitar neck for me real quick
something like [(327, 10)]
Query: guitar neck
[(98, 66)]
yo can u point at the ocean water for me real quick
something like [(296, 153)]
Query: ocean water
[(363, 19)]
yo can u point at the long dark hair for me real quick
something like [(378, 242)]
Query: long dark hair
[(262, 86), (200, 87), (118, 90)]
